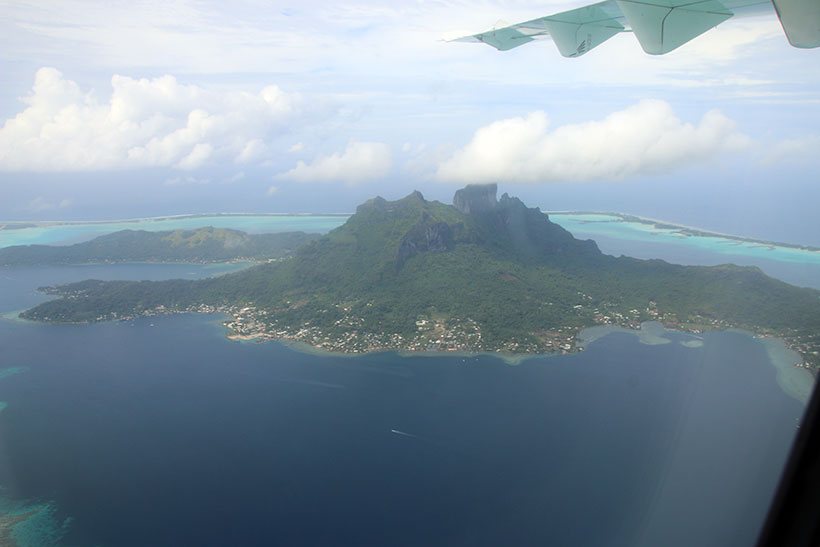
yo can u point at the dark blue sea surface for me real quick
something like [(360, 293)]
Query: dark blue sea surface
[(160, 431)]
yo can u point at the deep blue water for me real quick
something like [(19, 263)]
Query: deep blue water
[(162, 432)]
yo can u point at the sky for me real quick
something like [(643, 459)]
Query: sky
[(147, 108)]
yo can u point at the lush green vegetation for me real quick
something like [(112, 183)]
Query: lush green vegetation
[(202, 245), (507, 268)]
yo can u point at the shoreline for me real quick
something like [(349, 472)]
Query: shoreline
[(650, 333), (511, 359), (791, 375), (795, 380), (248, 324)]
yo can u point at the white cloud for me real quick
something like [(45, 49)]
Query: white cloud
[(272, 190), (644, 138), (360, 162), (252, 151), (413, 149), (296, 148), (249, 37), (40, 204), (794, 150), (186, 181), (145, 123), (236, 177), (198, 156)]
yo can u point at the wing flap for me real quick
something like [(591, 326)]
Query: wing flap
[(503, 36), (664, 25), (504, 39), (800, 20), (575, 32), (574, 40), (660, 26)]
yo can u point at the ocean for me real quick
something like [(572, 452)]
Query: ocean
[(160, 431)]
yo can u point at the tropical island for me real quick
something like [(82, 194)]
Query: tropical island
[(204, 245), (481, 275)]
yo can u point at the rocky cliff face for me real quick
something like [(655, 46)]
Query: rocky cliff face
[(476, 198), (402, 229), (531, 233), (425, 237), (509, 224)]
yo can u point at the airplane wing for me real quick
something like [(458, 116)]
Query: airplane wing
[(659, 25)]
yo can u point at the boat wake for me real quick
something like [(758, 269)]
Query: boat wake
[(404, 434)]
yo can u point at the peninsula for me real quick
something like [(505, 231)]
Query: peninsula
[(482, 274)]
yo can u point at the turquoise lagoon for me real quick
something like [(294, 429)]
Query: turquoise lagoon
[(65, 233), (613, 234), (616, 236)]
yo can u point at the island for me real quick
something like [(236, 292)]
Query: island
[(203, 245), (481, 275)]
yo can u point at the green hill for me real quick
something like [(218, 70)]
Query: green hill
[(482, 274), (201, 245)]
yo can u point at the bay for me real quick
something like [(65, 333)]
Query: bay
[(160, 431)]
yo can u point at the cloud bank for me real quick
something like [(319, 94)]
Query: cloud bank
[(145, 123), (644, 138), (796, 150), (40, 204), (359, 162)]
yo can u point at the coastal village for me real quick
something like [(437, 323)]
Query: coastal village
[(348, 334), (439, 334)]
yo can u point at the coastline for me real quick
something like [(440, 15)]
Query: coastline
[(249, 324), (794, 379), (650, 333), (14, 316), (512, 359)]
